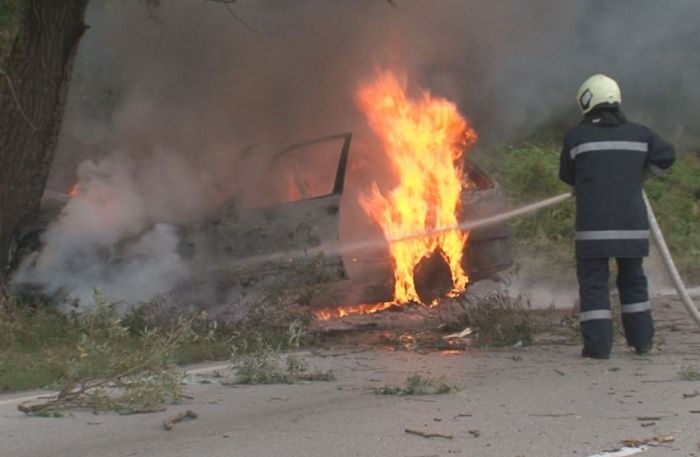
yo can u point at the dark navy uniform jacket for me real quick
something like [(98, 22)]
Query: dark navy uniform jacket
[(604, 158)]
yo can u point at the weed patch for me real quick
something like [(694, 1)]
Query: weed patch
[(499, 319), (262, 362), (675, 198), (529, 172), (110, 370), (689, 373), (418, 385), (43, 347), (7, 28)]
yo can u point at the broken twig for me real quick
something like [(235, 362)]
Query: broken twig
[(428, 434), (655, 441), (170, 422)]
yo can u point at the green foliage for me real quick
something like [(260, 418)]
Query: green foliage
[(689, 373), (259, 367), (260, 362), (295, 286), (418, 385), (500, 320), (35, 342), (529, 172), (212, 338), (8, 10), (302, 280), (41, 346), (110, 370), (675, 198)]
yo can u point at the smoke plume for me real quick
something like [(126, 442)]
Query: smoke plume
[(177, 107)]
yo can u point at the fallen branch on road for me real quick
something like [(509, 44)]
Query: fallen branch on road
[(428, 434), (170, 422)]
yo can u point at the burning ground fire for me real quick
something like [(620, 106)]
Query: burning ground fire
[(424, 139)]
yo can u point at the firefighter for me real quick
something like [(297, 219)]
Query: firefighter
[(606, 158)]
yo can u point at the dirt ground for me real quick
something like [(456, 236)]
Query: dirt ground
[(538, 400)]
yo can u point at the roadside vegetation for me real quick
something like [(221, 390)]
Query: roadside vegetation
[(419, 385), (500, 320), (7, 29), (87, 353), (268, 364), (529, 172), (689, 373)]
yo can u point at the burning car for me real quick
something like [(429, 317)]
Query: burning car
[(369, 219), (316, 220)]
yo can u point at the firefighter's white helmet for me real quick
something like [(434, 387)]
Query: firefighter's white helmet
[(596, 90)]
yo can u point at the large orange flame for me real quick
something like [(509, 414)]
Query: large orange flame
[(425, 140)]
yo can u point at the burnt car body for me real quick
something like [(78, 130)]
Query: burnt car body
[(315, 222), (301, 223)]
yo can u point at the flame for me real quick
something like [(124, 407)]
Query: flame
[(74, 190), (425, 140), (343, 311)]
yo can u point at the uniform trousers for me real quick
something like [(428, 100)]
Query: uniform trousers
[(595, 312)]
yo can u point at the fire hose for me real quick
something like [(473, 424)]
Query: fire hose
[(512, 214), (668, 262), (653, 225), (656, 234)]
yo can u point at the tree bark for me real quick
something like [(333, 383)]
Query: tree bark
[(35, 70)]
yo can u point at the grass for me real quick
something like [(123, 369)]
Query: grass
[(675, 198), (529, 172), (39, 345), (92, 357), (7, 28), (263, 364), (499, 319), (105, 363), (35, 342), (689, 373), (418, 385), (43, 347)]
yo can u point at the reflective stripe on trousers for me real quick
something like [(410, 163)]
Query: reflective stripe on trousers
[(595, 314), (628, 308)]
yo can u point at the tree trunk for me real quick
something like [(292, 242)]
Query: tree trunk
[(37, 50)]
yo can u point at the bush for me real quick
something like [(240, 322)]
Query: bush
[(530, 172), (675, 198), (419, 385), (499, 319)]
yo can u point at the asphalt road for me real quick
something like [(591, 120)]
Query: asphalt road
[(541, 400)]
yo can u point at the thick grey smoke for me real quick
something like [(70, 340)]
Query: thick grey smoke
[(167, 103), (105, 238)]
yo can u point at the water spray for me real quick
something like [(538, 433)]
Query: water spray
[(337, 248)]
